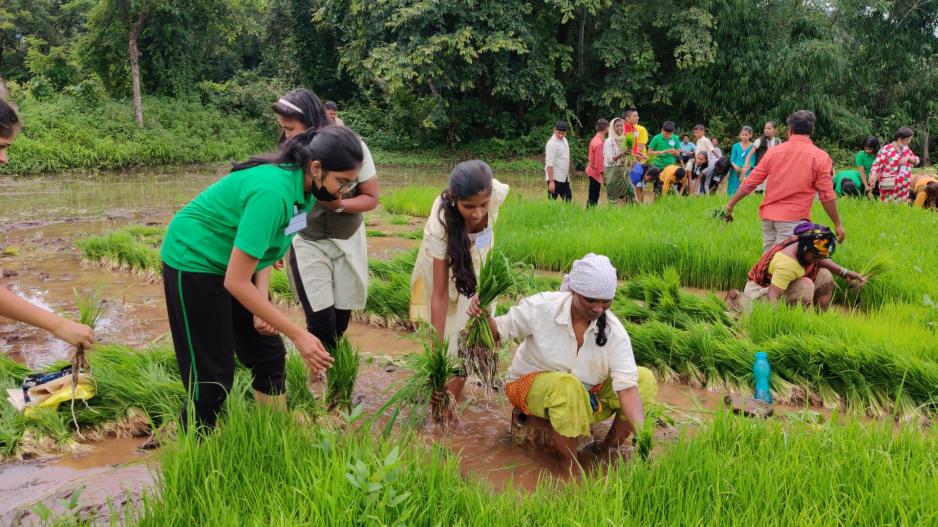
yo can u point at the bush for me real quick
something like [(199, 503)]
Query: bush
[(246, 94)]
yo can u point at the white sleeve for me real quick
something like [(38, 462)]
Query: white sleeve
[(550, 153), (622, 367), (608, 153), (368, 170), (517, 322)]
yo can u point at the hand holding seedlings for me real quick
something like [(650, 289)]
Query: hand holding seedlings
[(76, 334), (263, 327), (313, 352)]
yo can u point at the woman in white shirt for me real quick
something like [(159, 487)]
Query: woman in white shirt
[(575, 367), (456, 239)]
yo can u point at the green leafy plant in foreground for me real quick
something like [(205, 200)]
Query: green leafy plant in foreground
[(477, 347)]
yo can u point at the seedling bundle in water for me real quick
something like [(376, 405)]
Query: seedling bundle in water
[(340, 379), (432, 370), (477, 346), (90, 310)]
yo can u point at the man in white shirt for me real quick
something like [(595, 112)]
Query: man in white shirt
[(557, 163), (575, 367)]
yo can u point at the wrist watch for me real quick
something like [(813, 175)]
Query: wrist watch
[(341, 208)]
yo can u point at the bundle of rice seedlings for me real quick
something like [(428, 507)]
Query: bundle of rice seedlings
[(720, 214), (426, 387), (133, 248), (340, 379), (90, 311), (644, 439), (477, 346)]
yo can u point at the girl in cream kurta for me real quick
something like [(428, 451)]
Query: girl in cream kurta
[(434, 246)]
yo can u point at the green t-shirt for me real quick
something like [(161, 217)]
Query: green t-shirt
[(659, 142), (865, 160), (853, 175), (249, 209)]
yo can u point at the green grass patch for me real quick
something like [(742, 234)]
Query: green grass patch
[(132, 248), (410, 201), (732, 472)]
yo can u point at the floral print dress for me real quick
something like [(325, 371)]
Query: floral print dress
[(894, 178)]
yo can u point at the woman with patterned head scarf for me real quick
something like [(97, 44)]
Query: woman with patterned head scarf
[(799, 270)]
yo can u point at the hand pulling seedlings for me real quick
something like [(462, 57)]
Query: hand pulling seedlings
[(477, 346), (90, 311)]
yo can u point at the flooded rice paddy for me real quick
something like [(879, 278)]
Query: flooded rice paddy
[(41, 218)]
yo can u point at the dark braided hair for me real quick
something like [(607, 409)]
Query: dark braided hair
[(763, 144), (601, 337), (467, 179)]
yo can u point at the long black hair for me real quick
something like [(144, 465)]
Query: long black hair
[(465, 181), (8, 119), (336, 147), (601, 337), (312, 112), (903, 133), (763, 142), (871, 142)]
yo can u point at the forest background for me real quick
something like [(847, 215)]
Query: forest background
[(115, 83)]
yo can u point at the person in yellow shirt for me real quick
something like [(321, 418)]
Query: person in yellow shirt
[(662, 180), (634, 141), (799, 270), (924, 191)]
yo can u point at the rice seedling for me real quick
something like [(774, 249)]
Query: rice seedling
[(707, 257), (720, 214), (732, 471), (90, 311), (410, 201), (340, 379), (644, 440), (132, 248), (431, 370), (280, 290), (477, 347), (376, 233), (399, 220)]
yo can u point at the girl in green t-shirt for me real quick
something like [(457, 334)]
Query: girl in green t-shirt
[(217, 255), (864, 161), (12, 306)]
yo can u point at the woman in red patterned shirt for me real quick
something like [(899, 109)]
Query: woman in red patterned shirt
[(892, 170)]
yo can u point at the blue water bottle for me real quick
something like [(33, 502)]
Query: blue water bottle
[(761, 371)]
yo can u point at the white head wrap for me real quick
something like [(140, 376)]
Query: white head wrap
[(593, 276)]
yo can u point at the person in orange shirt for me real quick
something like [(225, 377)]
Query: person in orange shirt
[(804, 171), (595, 168)]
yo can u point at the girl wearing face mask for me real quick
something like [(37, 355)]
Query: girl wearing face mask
[(892, 170), (14, 307), (456, 239), (217, 255), (328, 261)]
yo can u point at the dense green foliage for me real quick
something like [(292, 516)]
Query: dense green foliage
[(62, 133), (732, 472), (421, 73)]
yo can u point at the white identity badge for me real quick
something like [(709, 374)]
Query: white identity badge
[(297, 223), (484, 239)]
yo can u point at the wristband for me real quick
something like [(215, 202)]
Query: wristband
[(844, 272)]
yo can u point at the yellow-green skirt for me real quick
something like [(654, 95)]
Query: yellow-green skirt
[(563, 400)]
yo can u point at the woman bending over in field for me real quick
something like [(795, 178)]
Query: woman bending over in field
[(456, 239)]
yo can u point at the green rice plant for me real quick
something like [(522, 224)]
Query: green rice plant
[(299, 396), (376, 233), (279, 287), (132, 248), (781, 474), (709, 257), (663, 298), (644, 440), (399, 220), (389, 299), (402, 264), (878, 264), (413, 235), (340, 379), (90, 310), (410, 201), (477, 347), (431, 370)]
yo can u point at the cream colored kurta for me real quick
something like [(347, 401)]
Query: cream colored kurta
[(545, 323), (433, 247)]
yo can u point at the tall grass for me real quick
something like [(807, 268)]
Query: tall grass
[(60, 134), (341, 377), (676, 233), (732, 472), (132, 248), (411, 201)]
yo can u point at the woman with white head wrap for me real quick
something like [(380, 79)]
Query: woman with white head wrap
[(575, 367)]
